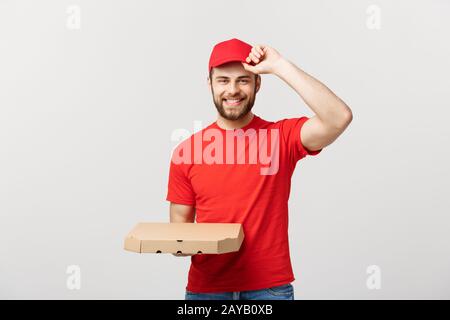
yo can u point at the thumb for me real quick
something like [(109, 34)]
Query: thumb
[(249, 67)]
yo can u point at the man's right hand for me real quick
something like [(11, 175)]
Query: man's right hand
[(183, 254), (183, 214)]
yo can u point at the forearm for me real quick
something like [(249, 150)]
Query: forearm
[(182, 213), (177, 218), (323, 102)]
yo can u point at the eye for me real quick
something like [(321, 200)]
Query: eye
[(244, 81)]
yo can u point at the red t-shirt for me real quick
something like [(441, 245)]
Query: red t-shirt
[(229, 182)]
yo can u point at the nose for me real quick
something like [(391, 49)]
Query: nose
[(232, 88)]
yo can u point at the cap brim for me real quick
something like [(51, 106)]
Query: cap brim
[(226, 60)]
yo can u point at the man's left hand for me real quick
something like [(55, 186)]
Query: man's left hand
[(264, 59)]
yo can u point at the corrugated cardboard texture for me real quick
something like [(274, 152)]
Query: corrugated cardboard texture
[(187, 238)]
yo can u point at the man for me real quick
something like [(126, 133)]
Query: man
[(225, 173)]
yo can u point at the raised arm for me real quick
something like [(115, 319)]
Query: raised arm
[(332, 115)]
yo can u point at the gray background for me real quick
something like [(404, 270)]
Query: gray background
[(86, 118)]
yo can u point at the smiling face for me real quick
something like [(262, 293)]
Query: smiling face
[(233, 90)]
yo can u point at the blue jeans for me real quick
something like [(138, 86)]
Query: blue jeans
[(283, 292)]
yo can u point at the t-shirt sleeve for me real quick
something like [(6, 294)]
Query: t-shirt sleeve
[(179, 188), (290, 130)]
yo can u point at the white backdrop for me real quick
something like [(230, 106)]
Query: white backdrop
[(91, 91)]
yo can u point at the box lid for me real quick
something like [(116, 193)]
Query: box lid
[(187, 238)]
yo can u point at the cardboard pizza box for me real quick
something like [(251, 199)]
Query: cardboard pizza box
[(186, 238)]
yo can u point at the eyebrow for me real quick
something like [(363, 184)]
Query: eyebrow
[(240, 77)]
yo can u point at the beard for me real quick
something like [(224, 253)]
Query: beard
[(236, 113)]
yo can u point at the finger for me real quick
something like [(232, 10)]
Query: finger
[(260, 50), (249, 61), (256, 52), (253, 57), (249, 68)]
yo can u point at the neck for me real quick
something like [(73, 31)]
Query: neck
[(234, 124)]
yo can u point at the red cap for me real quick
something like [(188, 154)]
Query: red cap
[(227, 51)]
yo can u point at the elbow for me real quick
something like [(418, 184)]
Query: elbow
[(348, 117), (345, 120)]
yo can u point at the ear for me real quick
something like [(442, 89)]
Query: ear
[(208, 80), (258, 82)]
